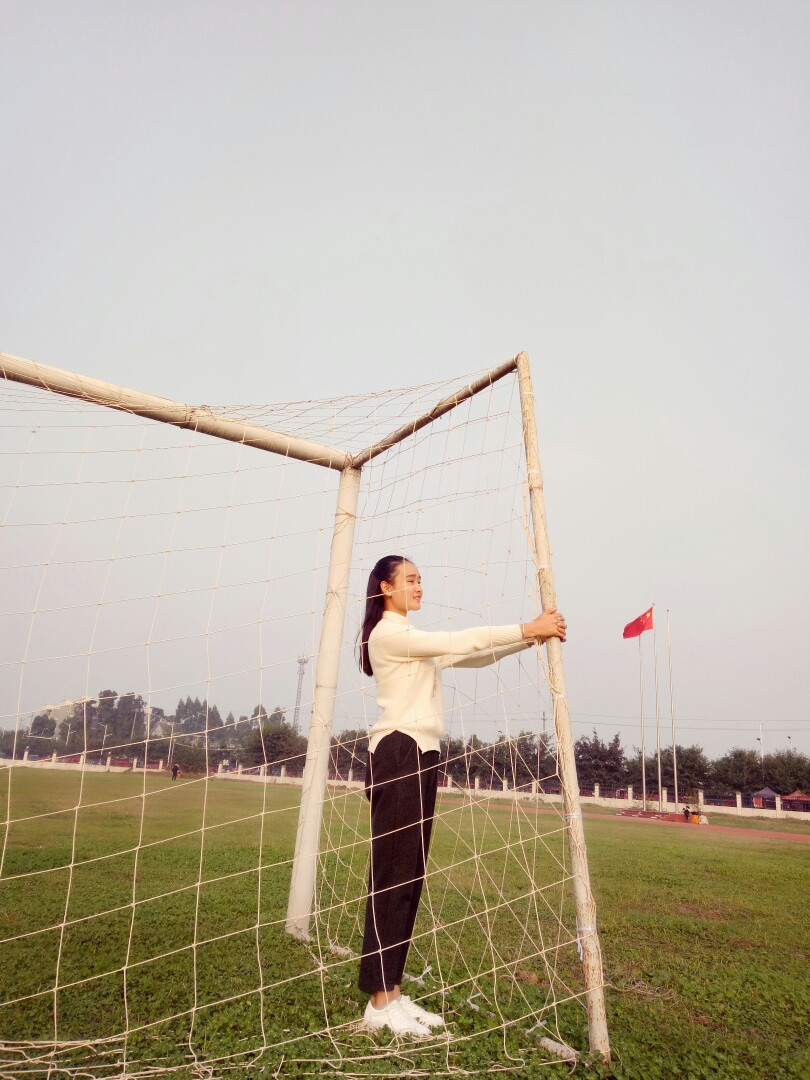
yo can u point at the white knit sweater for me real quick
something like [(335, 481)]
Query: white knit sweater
[(407, 666)]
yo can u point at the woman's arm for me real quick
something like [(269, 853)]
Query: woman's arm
[(549, 624), (485, 657), (409, 643), (413, 644)]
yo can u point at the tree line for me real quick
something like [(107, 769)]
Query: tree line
[(124, 726), (196, 736), (527, 757)]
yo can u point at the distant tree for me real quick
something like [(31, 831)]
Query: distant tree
[(453, 761), (220, 736), (546, 767), (12, 743), (43, 726), (349, 751), (70, 731), (196, 717), (189, 757), (230, 720), (476, 760), (787, 771), (513, 760), (526, 759), (103, 725), (270, 743), (219, 748), (500, 754), (74, 733), (64, 730), (157, 717), (240, 731), (130, 721), (106, 707), (258, 716), (694, 770), (738, 770), (600, 762)]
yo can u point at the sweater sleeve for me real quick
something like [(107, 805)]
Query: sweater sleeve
[(484, 657), (452, 645)]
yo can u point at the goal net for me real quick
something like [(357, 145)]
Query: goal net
[(163, 673)]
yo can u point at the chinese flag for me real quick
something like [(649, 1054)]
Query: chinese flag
[(639, 625)]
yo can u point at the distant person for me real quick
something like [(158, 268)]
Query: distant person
[(686, 812), (175, 771)]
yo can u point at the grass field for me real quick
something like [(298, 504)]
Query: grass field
[(705, 939)]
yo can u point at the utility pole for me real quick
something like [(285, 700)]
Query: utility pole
[(302, 663)]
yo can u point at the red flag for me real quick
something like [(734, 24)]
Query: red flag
[(637, 627)]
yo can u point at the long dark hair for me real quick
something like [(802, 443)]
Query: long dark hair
[(384, 570)]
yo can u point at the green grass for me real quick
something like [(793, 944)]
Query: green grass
[(704, 936), (706, 947)]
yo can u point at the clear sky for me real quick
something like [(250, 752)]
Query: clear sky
[(252, 202)]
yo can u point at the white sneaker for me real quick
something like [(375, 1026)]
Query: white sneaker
[(394, 1017), (430, 1019)]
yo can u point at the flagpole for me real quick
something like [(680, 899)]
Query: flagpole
[(641, 697), (657, 715), (672, 714)]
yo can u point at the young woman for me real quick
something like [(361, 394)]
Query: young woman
[(402, 770)]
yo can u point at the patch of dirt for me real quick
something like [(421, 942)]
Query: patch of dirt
[(699, 912), (527, 977), (706, 1021)]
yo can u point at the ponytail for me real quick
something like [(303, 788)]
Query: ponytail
[(384, 570)]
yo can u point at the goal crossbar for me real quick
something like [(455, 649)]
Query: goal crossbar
[(202, 419), (442, 407), (191, 417)]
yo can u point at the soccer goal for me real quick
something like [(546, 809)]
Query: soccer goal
[(184, 832)]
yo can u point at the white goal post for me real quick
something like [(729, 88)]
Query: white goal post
[(349, 466)]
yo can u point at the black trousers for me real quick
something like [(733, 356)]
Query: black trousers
[(401, 785)]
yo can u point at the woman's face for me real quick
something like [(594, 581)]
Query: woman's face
[(404, 593)]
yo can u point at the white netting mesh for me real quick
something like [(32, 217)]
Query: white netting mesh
[(162, 602)]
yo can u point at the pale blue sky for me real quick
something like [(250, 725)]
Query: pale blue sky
[(253, 202)]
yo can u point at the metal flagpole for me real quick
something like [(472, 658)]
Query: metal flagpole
[(672, 714), (587, 936), (657, 715), (641, 697)]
